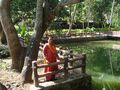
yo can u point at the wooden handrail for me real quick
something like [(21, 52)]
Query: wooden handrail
[(51, 64), (75, 59), (69, 59), (51, 73), (81, 65)]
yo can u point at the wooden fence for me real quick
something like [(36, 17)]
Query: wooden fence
[(66, 61)]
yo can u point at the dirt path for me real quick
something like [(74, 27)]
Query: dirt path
[(9, 78)]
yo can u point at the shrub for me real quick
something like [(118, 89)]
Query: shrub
[(4, 52)]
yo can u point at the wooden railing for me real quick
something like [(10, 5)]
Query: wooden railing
[(66, 61)]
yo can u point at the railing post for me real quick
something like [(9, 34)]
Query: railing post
[(35, 75), (84, 63), (71, 57), (66, 67)]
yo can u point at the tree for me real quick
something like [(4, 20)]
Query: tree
[(100, 9), (72, 18), (16, 50), (20, 10), (111, 15), (115, 22), (44, 15)]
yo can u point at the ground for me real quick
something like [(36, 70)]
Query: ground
[(8, 77)]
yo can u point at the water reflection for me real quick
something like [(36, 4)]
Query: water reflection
[(103, 62)]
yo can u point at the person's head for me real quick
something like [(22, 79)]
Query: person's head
[(50, 40)]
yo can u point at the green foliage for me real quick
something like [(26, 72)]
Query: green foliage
[(23, 9), (22, 6), (87, 10), (116, 16), (89, 29), (52, 3), (106, 29), (100, 8), (58, 32), (63, 14), (4, 52), (106, 85), (80, 13), (85, 30), (3, 65), (23, 32)]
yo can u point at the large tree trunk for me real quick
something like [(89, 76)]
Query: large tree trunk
[(2, 34), (14, 45), (32, 50)]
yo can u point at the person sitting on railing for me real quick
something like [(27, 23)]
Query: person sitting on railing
[(50, 56)]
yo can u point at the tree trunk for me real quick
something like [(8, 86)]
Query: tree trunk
[(112, 9), (72, 19), (2, 34), (32, 50), (14, 45)]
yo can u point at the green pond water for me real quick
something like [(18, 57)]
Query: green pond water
[(103, 62)]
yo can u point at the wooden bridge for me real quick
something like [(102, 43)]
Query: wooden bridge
[(69, 62)]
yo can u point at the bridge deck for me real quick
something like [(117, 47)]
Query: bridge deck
[(72, 83)]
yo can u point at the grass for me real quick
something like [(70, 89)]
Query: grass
[(103, 81), (105, 84)]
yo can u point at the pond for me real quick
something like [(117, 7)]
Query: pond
[(103, 62)]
